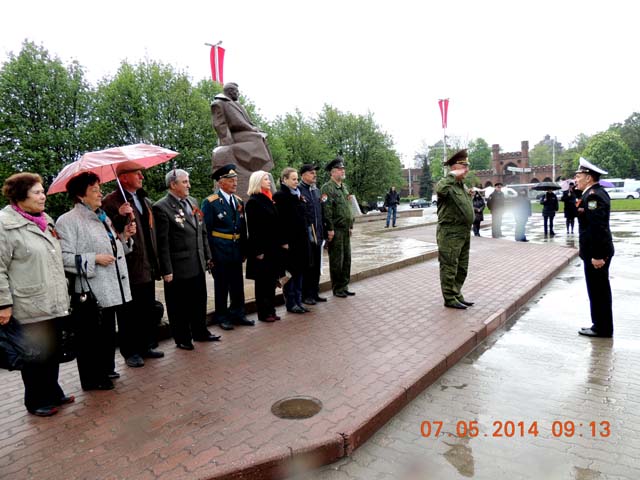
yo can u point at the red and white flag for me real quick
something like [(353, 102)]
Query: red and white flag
[(217, 62), (444, 107)]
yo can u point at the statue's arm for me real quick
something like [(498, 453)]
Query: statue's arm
[(220, 124)]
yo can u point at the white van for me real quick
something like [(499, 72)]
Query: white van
[(623, 188)]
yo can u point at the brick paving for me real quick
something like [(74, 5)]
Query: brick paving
[(206, 414)]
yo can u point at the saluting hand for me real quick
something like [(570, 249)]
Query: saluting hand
[(5, 315)]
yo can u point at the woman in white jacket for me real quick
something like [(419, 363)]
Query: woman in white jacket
[(87, 233), (33, 287)]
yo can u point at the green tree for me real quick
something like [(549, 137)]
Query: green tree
[(610, 152), (426, 183), (152, 103), (630, 133), (436, 156), (479, 154), (300, 143), (542, 153), (44, 108), (372, 163)]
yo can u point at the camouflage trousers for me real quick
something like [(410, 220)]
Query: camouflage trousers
[(453, 255)]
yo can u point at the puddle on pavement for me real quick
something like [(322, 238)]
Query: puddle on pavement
[(586, 474), (461, 457)]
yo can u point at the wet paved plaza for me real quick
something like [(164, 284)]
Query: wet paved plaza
[(582, 394)]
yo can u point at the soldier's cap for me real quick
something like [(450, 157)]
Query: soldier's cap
[(228, 171), (498, 184), (461, 157), (128, 166), (587, 167), (338, 162), (308, 167)]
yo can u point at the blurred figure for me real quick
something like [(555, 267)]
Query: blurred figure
[(87, 233), (569, 198), (391, 201), (33, 287), (495, 203), (183, 254), (264, 247), (227, 234), (338, 226), (455, 216), (136, 339), (293, 224), (478, 211), (313, 207), (550, 206), (521, 213), (596, 247)]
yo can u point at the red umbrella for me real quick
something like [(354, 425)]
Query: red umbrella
[(103, 163)]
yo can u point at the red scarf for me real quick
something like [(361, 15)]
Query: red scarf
[(267, 193)]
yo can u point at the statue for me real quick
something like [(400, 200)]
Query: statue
[(239, 141)]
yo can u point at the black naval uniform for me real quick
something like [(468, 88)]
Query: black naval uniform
[(596, 243), (227, 234)]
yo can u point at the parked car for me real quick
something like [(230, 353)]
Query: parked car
[(620, 193), (419, 203)]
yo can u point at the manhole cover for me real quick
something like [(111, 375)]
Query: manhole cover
[(296, 407)]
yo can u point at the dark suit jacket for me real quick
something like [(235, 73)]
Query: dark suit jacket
[(294, 231), (142, 262), (313, 208), (182, 242)]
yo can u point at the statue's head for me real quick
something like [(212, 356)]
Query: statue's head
[(231, 90)]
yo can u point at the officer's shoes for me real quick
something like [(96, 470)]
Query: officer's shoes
[(456, 305)]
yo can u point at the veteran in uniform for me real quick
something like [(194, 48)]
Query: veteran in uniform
[(596, 247), (338, 225), (183, 256), (455, 216), (227, 233)]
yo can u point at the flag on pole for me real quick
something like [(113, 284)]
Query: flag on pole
[(217, 62), (444, 107)]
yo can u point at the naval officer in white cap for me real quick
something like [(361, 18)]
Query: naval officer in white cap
[(596, 247)]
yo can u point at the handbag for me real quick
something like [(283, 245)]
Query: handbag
[(84, 304), (15, 351)]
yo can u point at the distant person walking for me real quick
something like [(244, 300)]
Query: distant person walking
[(550, 206), (391, 201), (455, 216), (569, 198), (478, 211), (596, 247), (495, 202), (521, 212)]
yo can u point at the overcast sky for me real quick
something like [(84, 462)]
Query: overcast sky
[(513, 70)]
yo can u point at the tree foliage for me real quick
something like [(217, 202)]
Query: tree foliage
[(44, 108), (479, 154), (426, 182), (371, 162), (542, 153), (610, 152)]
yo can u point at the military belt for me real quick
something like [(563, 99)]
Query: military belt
[(226, 236)]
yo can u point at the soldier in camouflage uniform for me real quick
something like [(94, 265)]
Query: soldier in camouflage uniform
[(455, 216), (338, 224)]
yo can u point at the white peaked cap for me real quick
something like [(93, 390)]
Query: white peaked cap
[(587, 167)]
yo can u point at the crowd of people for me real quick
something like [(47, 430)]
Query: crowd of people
[(114, 249)]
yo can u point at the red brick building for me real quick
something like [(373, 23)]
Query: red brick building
[(513, 168), (411, 177)]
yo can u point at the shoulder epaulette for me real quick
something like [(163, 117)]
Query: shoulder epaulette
[(213, 197)]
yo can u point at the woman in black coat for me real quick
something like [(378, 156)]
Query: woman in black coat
[(478, 212), (264, 245), (295, 232)]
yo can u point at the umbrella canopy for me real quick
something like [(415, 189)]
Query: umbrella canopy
[(546, 186), (605, 184), (564, 185), (103, 163)]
